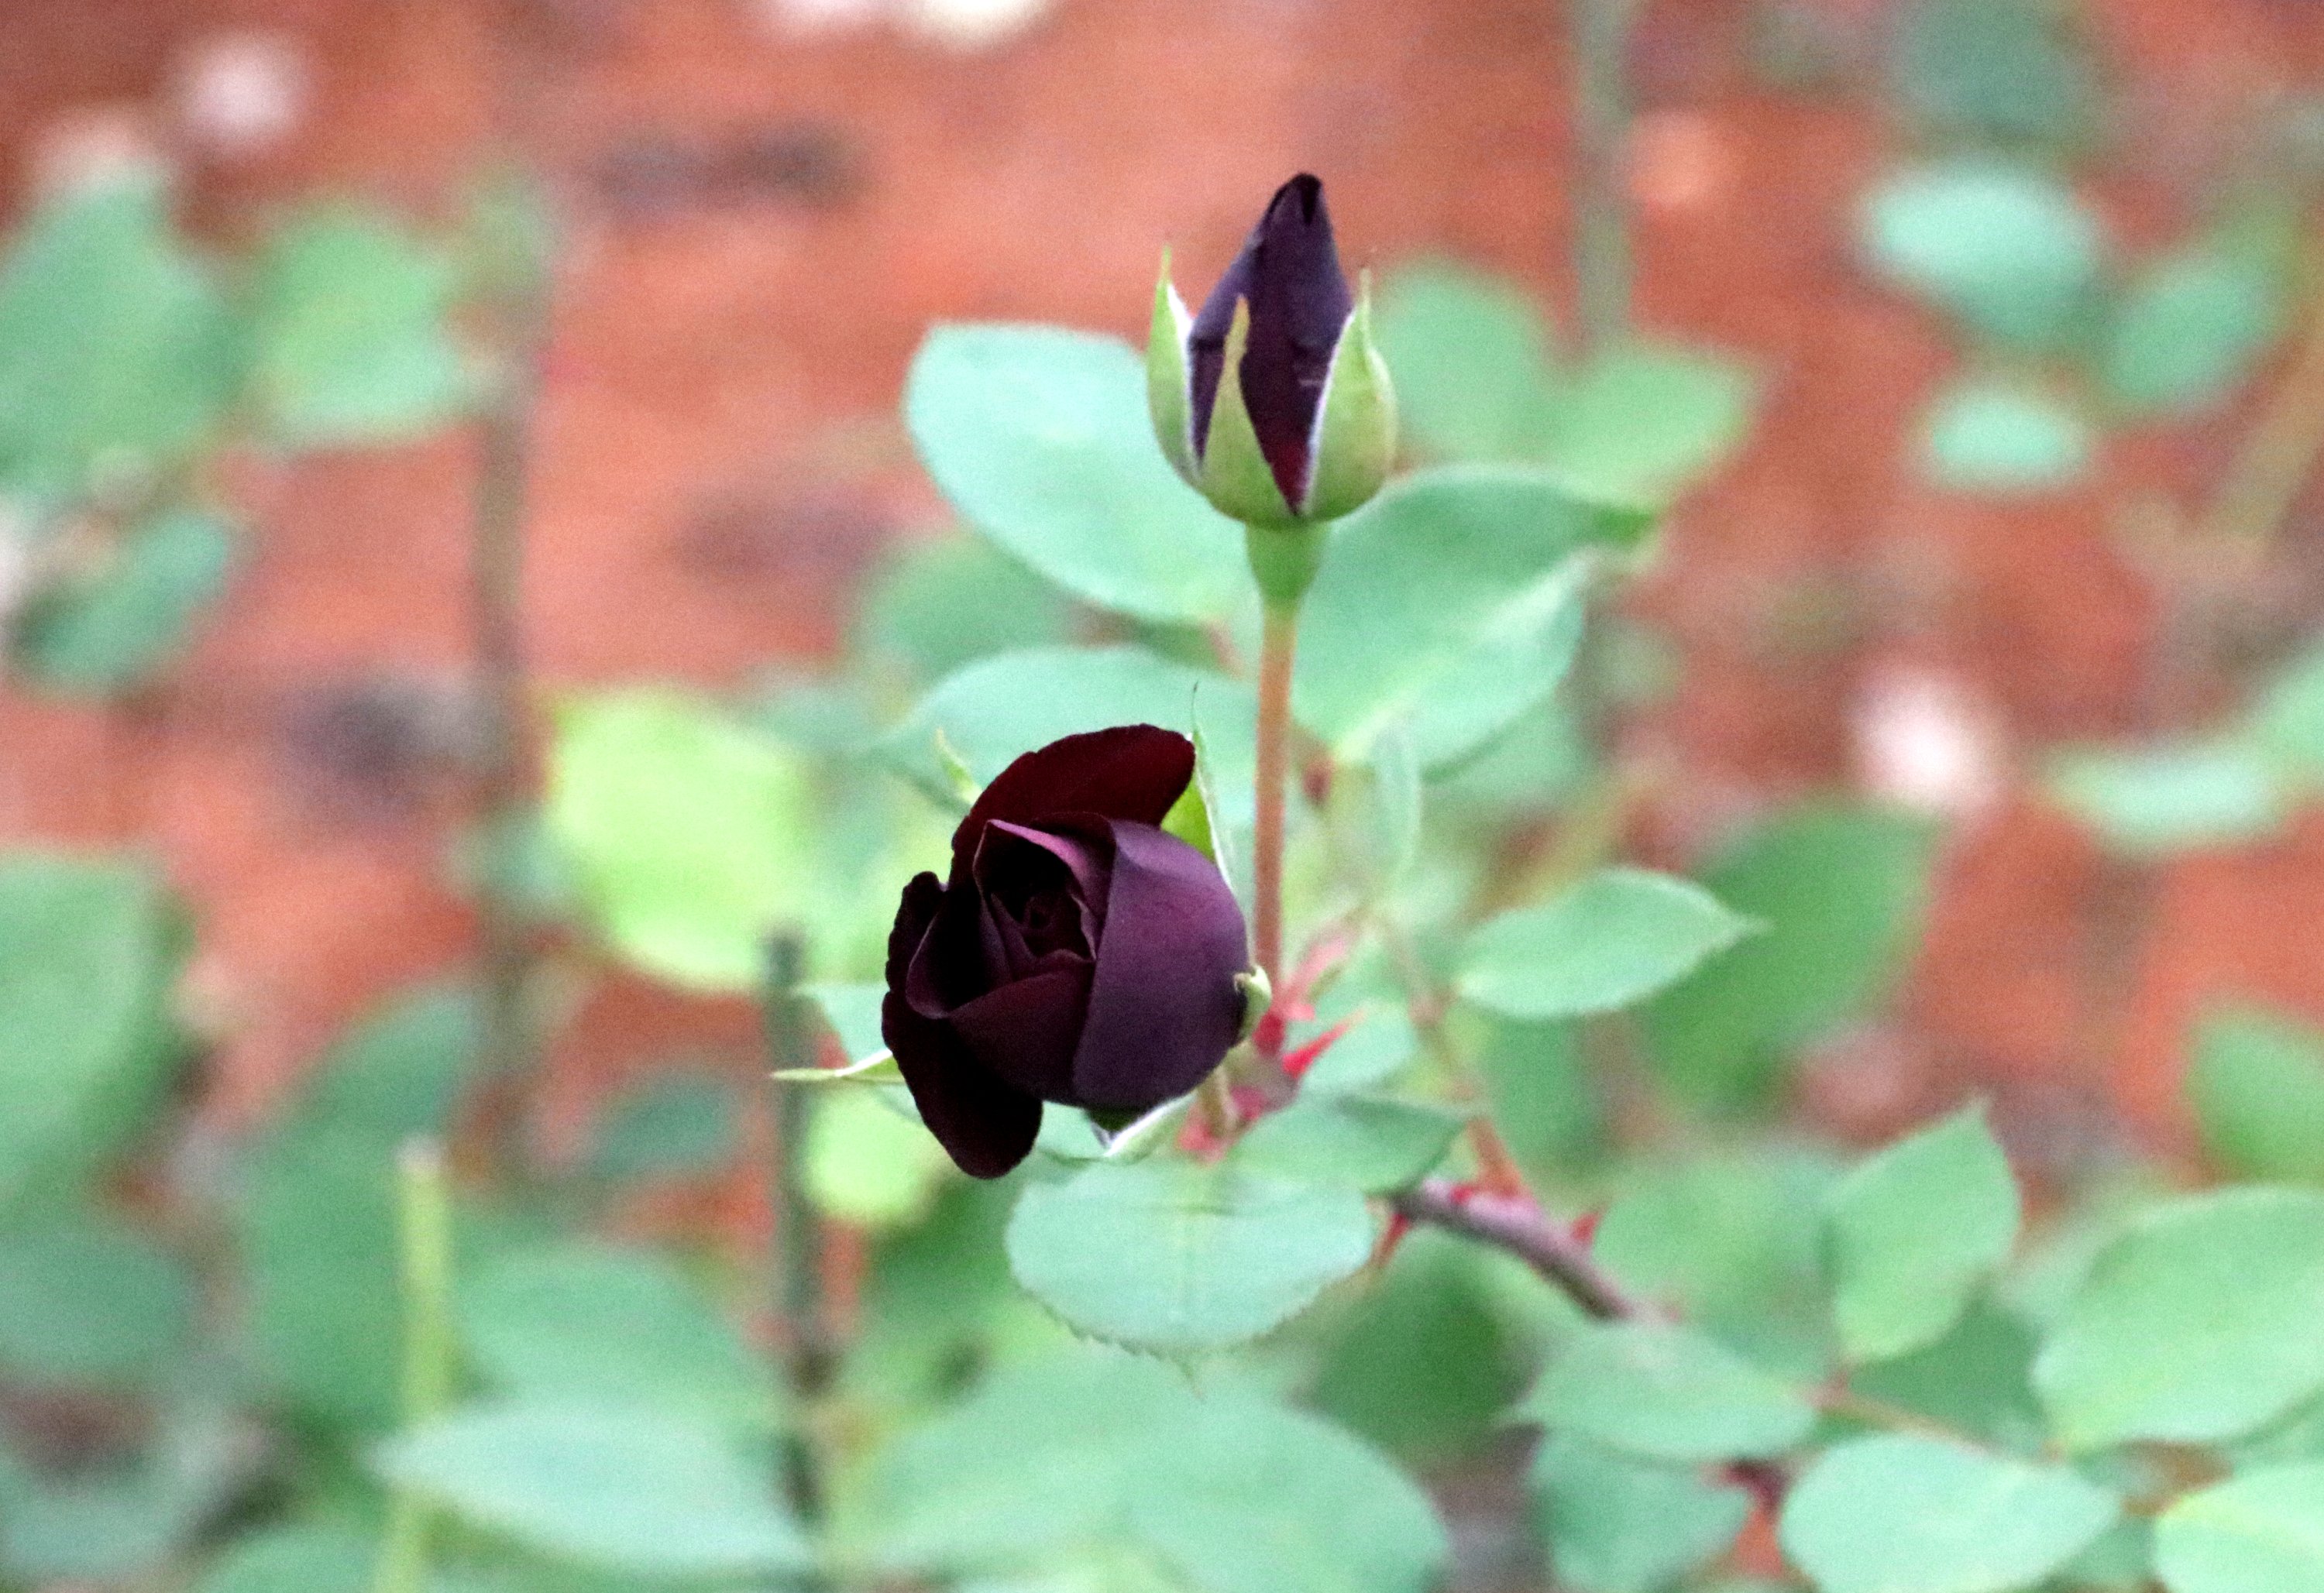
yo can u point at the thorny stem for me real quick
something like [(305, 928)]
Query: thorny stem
[(2277, 456), (1598, 33), (797, 1275), (1496, 1170), (424, 1240), (1515, 1224), (1278, 641)]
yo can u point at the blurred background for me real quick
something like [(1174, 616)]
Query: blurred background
[(2004, 512)]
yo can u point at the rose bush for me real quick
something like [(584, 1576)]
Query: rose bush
[(1077, 954)]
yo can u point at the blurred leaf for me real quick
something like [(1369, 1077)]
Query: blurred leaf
[(90, 1302), (1237, 1496), (1915, 1231), (2257, 1087), (351, 337), (2192, 324), (1998, 435), (88, 957), (315, 1213), (1615, 1524), (998, 708), (2284, 726), (869, 1165), (1666, 1393), (1174, 1257), (1841, 889), (1368, 1142), (1731, 1241), (680, 1126), (852, 1011), (116, 350), (1903, 1513), (2260, 1533), (2154, 800), (1614, 938), (689, 835), (1544, 1100), (1471, 358), (590, 1322), (2013, 252), (1644, 422), (934, 605), (1377, 1044), (114, 631), (295, 1559), (122, 1516), (1976, 1379), (2197, 1324), (613, 1487), (1040, 439), (2011, 70), (1420, 1362), (1450, 604)]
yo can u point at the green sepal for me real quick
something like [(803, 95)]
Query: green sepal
[(1235, 476), (1168, 389), (1355, 436)]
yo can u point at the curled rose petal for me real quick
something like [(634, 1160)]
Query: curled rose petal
[(986, 1126)]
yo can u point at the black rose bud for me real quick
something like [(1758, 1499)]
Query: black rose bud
[(1077, 953)]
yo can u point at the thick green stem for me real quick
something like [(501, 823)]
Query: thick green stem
[(424, 1229), (1283, 561), (796, 1273)]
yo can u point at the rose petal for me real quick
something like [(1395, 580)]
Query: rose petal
[(946, 968), (985, 1126), (1027, 1032), (1132, 771), (1163, 1005), (999, 864), (1289, 271)]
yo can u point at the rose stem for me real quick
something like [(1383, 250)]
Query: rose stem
[(424, 1276), (1283, 560), (796, 1273)]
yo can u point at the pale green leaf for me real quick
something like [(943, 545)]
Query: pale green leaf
[(2009, 249), (1615, 1524), (2256, 1084), (2002, 437), (2158, 799), (1664, 1391), (2260, 1533), (1371, 1143), (1618, 936)]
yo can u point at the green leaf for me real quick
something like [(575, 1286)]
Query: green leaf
[(88, 957), (589, 1321), (1916, 1232), (352, 332), (2257, 1088), (1618, 1525), (90, 1302), (1644, 422), (2260, 1533), (852, 1011), (1977, 1379), (120, 1518), (1903, 1514), (934, 605), (1450, 604), (1236, 1494), (2010, 250), (2155, 800), (2192, 326), (610, 1488), (2197, 1324), (1470, 354), (2011, 70), (1615, 937), (1666, 1393), (869, 1164), (116, 350), (295, 1559), (2285, 726), (122, 624), (687, 833), (2000, 435), (398, 1073), (1841, 889), (999, 708), (1040, 439), (1365, 1142), (1731, 1242), (675, 1125), (1176, 1258)]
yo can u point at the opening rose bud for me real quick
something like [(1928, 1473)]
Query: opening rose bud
[(1306, 428), (1076, 953)]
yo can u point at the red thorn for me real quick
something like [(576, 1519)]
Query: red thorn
[(1295, 1064), (1585, 1227), (1398, 1225)]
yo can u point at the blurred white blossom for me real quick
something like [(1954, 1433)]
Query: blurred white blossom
[(1923, 741), (244, 93)]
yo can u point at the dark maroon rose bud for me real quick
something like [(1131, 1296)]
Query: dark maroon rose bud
[(1307, 429), (1076, 953)]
